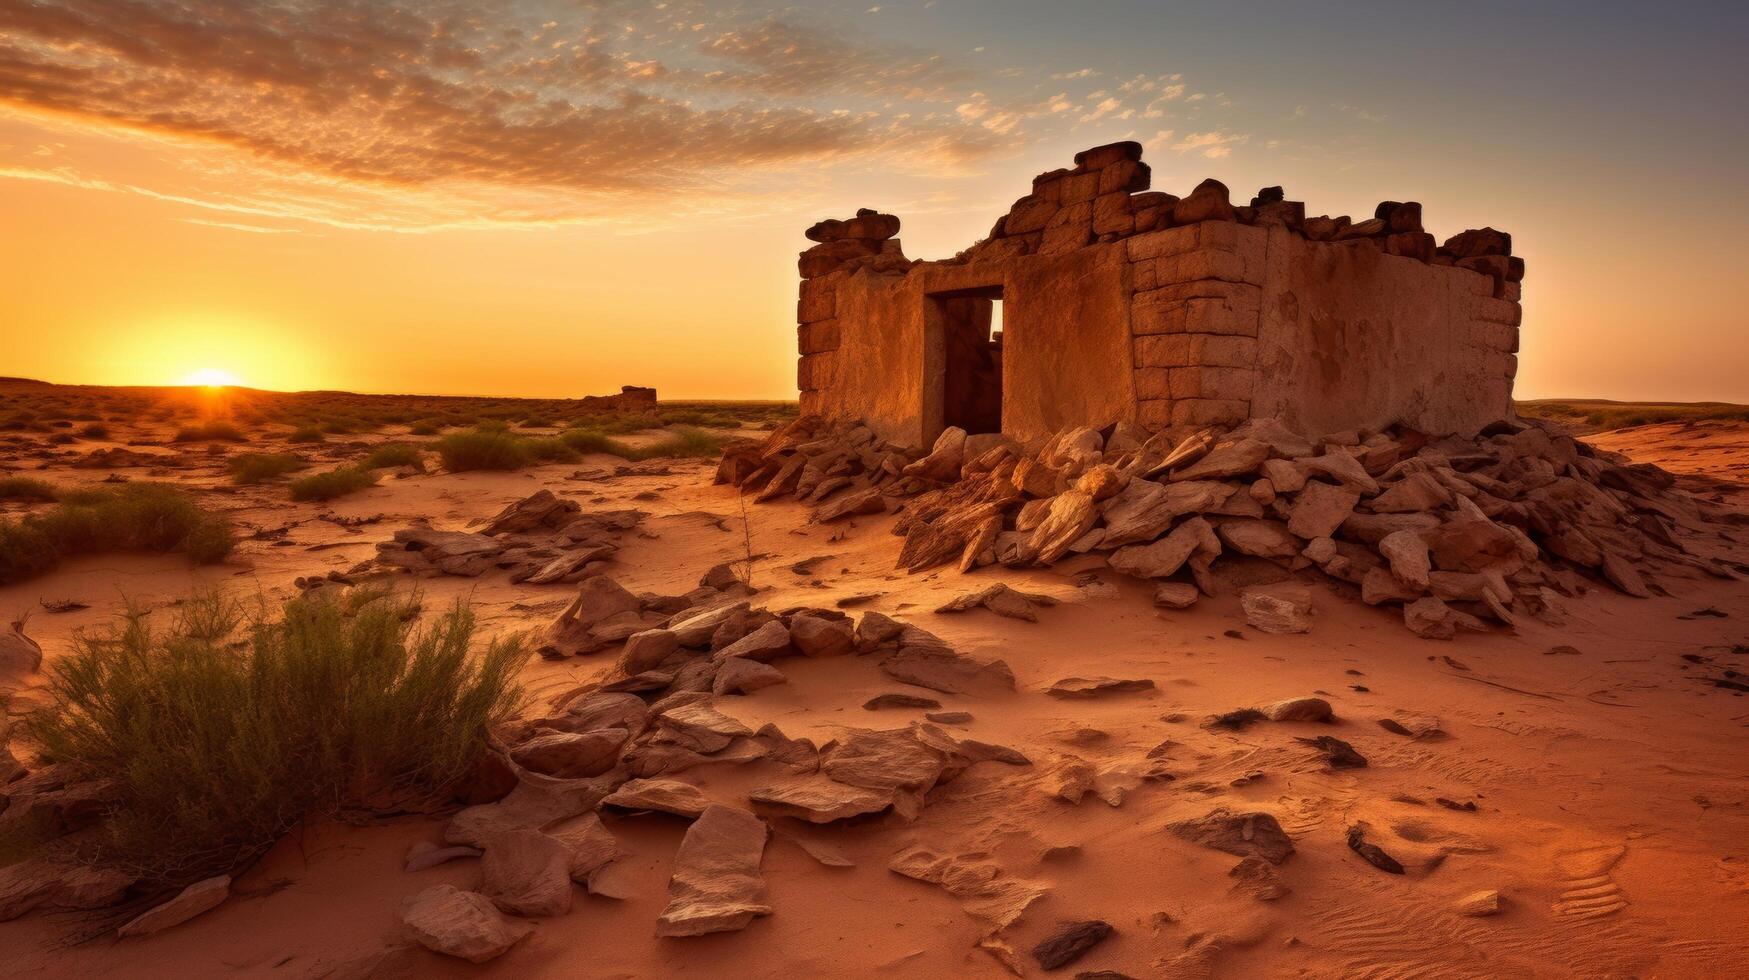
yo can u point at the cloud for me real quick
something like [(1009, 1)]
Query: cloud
[(606, 99), (1213, 144)]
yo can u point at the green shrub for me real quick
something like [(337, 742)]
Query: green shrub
[(549, 449), (394, 454), (428, 427), (26, 489), (334, 483), (261, 467), (592, 441), (538, 422), (222, 734), (685, 443), (130, 517), (306, 433), (209, 432), (483, 448)]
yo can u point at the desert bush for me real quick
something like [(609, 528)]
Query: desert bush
[(130, 517), (394, 454), (429, 427), (27, 490), (683, 442), (549, 449), (334, 483), (483, 448), (592, 441), (538, 422), (95, 430), (306, 433), (261, 467), (224, 731), (214, 431)]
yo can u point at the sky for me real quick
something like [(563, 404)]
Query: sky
[(553, 198)]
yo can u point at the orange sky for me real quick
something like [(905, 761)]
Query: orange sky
[(526, 197)]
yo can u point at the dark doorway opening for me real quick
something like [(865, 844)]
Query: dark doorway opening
[(972, 345)]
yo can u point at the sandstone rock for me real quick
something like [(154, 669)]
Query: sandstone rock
[(1478, 904), (1320, 508), (526, 872), (1069, 942), (883, 701), (1238, 457), (1166, 556), (819, 636), (1374, 528), (1409, 558), (1431, 619), (1145, 509), (1071, 515), (1209, 201), (945, 457), (1282, 608), (1416, 493), (543, 509), (697, 726), (766, 643), (948, 672), (818, 799), (662, 795), (1338, 753), (1001, 600), (865, 501), (446, 920), (891, 760), (592, 846), (565, 755), (986, 891), (1254, 834), (716, 886), (1345, 469), (695, 629), (20, 656), (1284, 475), (599, 599), (1300, 709), (1471, 545), (1373, 854), (647, 650), (868, 225), (425, 855), (601, 709), (1261, 538), (1175, 595), (1088, 687), (739, 675), (449, 552), (1101, 482), (202, 896), (535, 802)]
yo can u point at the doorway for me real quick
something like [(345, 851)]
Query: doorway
[(971, 336)]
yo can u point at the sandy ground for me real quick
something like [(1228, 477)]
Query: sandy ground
[(1612, 808)]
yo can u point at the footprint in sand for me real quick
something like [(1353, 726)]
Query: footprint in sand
[(1587, 890)]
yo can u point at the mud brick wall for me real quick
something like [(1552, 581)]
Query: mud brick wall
[(1231, 312)]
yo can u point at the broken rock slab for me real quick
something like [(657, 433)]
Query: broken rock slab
[(1254, 834), (466, 925), (660, 795), (200, 897), (818, 799), (716, 885), (526, 872), (1282, 608), (1069, 942), (1001, 600), (1090, 687)]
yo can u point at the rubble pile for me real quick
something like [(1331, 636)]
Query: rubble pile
[(1457, 532), (540, 540)]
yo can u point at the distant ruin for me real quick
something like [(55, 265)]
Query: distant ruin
[(1118, 303), (631, 398)]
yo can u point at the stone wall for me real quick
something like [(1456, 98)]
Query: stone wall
[(1125, 304)]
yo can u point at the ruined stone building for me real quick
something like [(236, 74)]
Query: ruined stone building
[(1121, 303)]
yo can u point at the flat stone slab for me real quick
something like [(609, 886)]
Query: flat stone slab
[(716, 885)]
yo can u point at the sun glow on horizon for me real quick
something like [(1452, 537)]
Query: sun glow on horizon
[(211, 378)]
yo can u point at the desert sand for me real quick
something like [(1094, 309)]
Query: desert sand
[(1605, 765)]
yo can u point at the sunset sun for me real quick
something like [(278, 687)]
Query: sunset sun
[(211, 378)]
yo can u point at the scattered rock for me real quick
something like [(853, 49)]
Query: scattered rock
[(447, 920), (428, 855), (1300, 709), (1087, 687), (1001, 600), (1340, 754), (202, 896), (1069, 942), (716, 885), (565, 755), (662, 795), (739, 675), (1254, 834), (1373, 854), (881, 701), (526, 872), (20, 656), (1282, 608), (818, 799), (1478, 904)]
